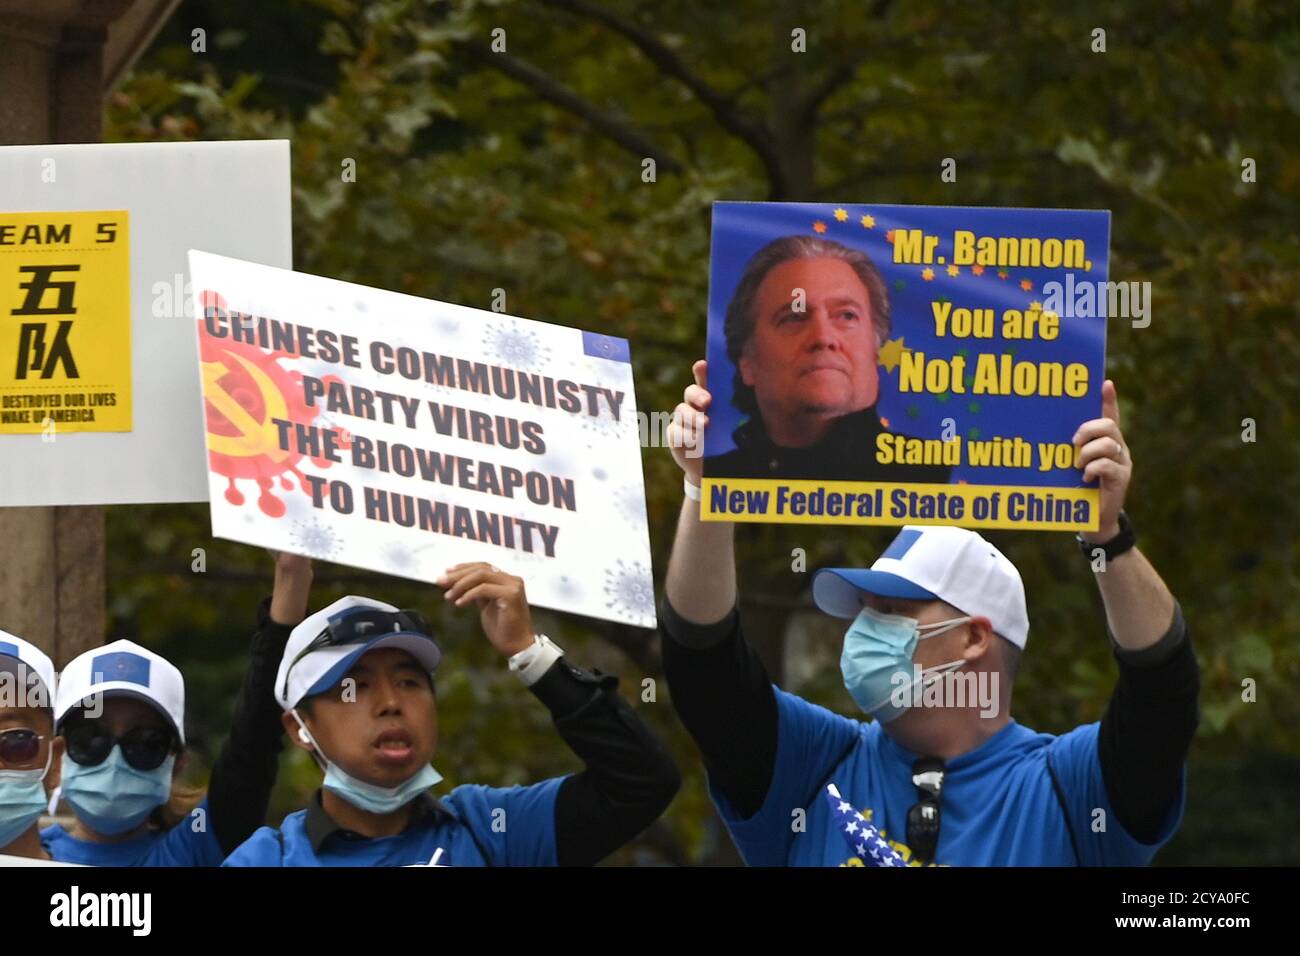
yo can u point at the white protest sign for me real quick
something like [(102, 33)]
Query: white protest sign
[(405, 435), (98, 400)]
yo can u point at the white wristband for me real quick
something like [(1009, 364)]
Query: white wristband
[(535, 660), (692, 491)]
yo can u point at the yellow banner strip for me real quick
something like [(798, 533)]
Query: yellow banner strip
[(774, 501)]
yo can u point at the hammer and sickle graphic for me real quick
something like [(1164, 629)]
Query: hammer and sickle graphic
[(254, 438)]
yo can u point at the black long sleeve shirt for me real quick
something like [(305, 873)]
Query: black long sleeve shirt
[(629, 779), (243, 775)]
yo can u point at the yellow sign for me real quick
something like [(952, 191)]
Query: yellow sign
[(894, 503), (65, 322)]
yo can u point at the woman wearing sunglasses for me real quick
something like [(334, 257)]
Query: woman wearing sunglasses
[(29, 751), (121, 712)]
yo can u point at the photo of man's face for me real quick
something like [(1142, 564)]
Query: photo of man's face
[(809, 366)]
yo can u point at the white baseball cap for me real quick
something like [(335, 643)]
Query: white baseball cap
[(22, 659), (935, 563), (124, 669), (325, 646)]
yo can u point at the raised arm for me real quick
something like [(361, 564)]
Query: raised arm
[(243, 774), (1149, 723), (719, 687), (701, 582), (1139, 607), (629, 778)]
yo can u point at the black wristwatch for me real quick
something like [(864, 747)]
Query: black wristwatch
[(1116, 546)]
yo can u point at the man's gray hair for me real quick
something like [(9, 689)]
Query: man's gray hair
[(739, 325)]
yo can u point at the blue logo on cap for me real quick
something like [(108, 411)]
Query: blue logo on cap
[(120, 665), (902, 544)]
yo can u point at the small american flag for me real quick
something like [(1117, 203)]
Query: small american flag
[(864, 840)]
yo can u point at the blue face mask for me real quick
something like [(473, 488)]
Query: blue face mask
[(877, 647), (367, 796), (113, 797), (22, 800)]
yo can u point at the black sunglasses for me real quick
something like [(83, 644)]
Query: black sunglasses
[(145, 748), (19, 746), (357, 625), (924, 817)]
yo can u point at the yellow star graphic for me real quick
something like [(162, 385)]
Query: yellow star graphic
[(841, 215), (953, 270), (891, 353), (868, 222), (1035, 306), (927, 273)]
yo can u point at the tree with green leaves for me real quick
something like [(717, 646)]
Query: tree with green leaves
[(566, 152)]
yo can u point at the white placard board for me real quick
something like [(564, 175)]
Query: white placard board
[(232, 198), (406, 435)]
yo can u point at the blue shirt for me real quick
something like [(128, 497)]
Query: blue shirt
[(190, 843), (998, 805), (473, 825)]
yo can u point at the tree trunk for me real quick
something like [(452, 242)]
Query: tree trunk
[(52, 559)]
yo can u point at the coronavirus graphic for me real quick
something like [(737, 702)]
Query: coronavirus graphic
[(605, 428), (245, 390), (515, 347), (629, 591), (401, 557), (630, 502), (397, 557), (315, 539)]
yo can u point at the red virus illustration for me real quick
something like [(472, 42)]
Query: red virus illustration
[(245, 390)]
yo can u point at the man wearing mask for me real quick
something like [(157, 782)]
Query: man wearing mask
[(29, 750), (356, 687), (957, 784), (120, 712)]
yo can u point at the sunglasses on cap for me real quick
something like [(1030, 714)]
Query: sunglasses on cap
[(19, 746), (356, 626), (90, 742)]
